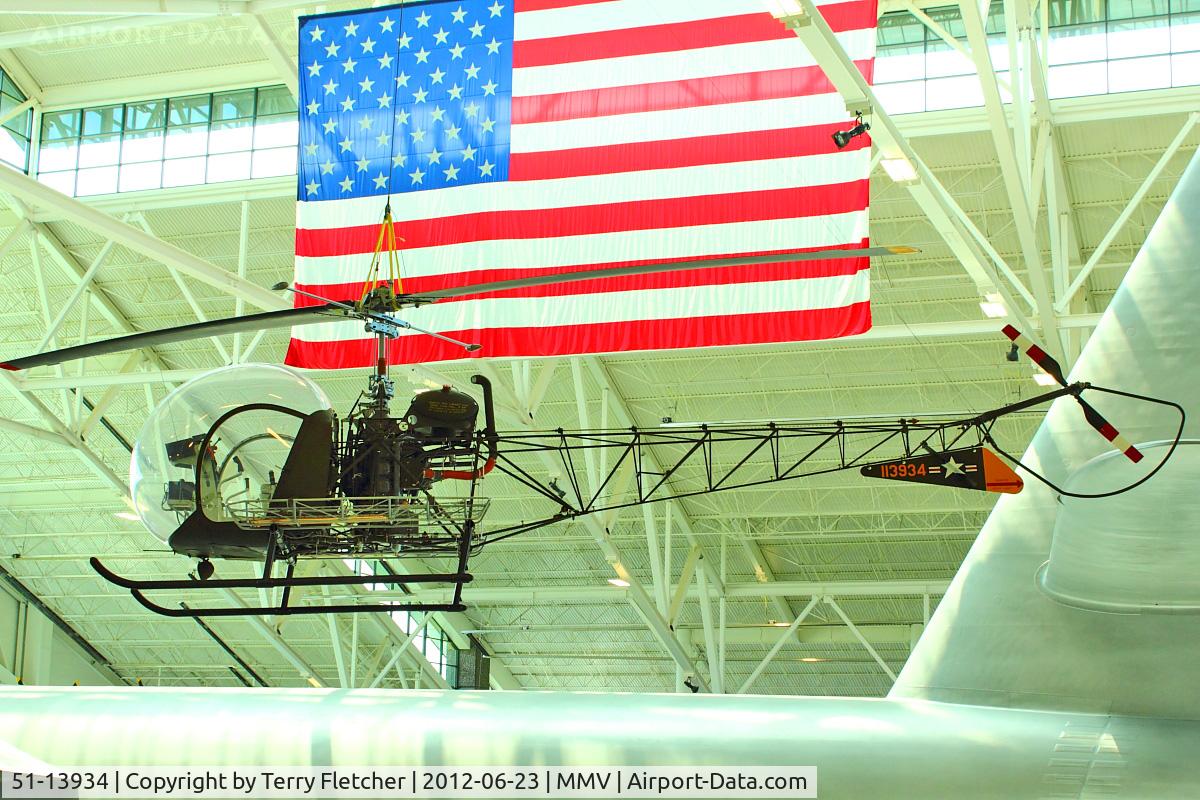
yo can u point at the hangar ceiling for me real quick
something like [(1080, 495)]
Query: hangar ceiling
[(546, 612)]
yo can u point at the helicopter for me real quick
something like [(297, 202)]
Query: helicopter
[(226, 476)]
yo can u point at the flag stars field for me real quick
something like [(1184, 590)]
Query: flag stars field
[(447, 107)]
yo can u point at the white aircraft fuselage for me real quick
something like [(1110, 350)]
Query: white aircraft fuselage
[(862, 748)]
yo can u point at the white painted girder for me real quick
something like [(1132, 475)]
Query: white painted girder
[(535, 595), (30, 191)]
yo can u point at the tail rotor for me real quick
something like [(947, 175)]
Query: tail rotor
[(1094, 418)]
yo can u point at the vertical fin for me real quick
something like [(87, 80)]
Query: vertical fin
[(997, 638)]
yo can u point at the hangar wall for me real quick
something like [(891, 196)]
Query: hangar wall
[(34, 649)]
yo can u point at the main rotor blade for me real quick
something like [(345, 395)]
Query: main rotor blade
[(182, 333), (645, 269)]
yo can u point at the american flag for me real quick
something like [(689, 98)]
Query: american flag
[(517, 137)]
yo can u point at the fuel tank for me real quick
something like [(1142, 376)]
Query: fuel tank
[(442, 413)]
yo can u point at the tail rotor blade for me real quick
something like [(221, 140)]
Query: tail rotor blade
[(1093, 417), (1106, 429), (1039, 356)]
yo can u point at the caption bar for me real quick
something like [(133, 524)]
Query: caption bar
[(420, 782)]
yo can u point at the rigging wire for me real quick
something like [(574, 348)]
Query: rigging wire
[(1088, 496)]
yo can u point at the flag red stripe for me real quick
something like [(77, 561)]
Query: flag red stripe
[(678, 36), (745, 87), (656, 334), (521, 6), (754, 273), (724, 148), (673, 212)]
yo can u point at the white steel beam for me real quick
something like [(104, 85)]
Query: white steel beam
[(945, 36), (277, 54), (41, 434), (926, 190), (187, 294), (85, 281), (657, 568), (453, 623), (210, 8), (764, 573), (239, 307), (278, 642), (829, 601), (617, 406), (400, 650), (85, 453), (596, 525), (550, 595), (1015, 174), (711, 649), (56, 35), (684, 585), (335, 641), (1130, 207), (775, 648), (18, 109), (30, 191)]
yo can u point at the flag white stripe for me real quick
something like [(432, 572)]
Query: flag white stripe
[(655, 126), (681, 65), (697, 241), (682, 182), (623, 14), (616, 307)]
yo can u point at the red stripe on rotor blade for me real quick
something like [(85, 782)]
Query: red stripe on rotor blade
[(1107, 431), (651, 334), (1011, 332), (9, 367), (1133, 454), (681, 212)]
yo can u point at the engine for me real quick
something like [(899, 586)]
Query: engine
[(385, 456)]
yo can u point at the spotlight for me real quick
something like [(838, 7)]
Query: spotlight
[(842, 138), (1013, 353)]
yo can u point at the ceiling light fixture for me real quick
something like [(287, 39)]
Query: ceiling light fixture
[(127, 515), (619, 582), (842, 138), (900, 170), (993, 306), (789, 12), (1042, 378)]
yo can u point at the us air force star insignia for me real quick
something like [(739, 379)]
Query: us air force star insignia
[(952, 467)]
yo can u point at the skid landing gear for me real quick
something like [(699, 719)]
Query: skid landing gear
[(138, 588)]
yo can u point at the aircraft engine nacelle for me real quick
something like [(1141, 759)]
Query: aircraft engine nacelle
[(1136, 552)]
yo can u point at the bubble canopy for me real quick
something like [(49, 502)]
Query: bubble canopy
[(245, 453)]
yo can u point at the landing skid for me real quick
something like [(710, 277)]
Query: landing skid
[(136, 588)]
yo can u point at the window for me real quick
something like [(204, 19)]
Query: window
[(17, 128), (177, 141), (1094, 48), (431, 640)]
